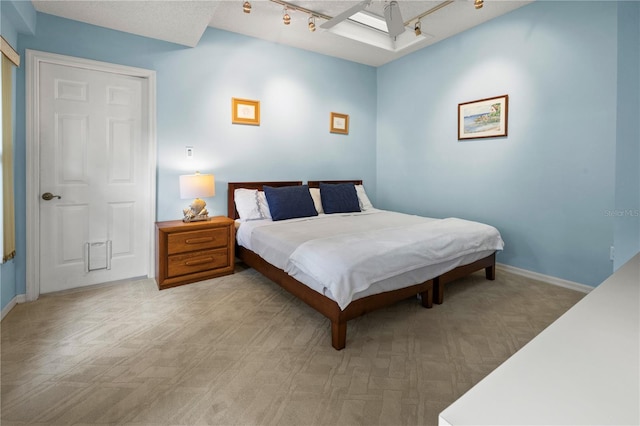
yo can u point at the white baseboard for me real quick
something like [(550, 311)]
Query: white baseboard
[(545, 278), (21, 298)]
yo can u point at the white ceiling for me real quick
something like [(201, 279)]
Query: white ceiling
[(184, 21)]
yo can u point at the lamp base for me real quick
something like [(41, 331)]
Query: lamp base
[(198, 218), (196, 211)]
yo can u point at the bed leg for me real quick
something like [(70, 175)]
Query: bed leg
[(338, 335), (438, 289), (427, 298), (490, 272)]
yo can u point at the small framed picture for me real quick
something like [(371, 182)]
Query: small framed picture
[(484, 118), (245, 111), (339, 123)]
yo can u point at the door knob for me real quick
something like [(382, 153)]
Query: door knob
[(49, 196)]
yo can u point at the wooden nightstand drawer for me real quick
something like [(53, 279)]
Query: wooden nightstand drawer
[(188, 263), (194, 251), (181, 242)]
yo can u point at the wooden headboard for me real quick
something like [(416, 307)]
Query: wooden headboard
[(316, 183), (232, 186)]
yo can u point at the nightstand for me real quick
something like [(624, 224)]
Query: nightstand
[(194, 251)]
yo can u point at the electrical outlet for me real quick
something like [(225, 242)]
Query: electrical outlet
[(189, 151), (612, 253)]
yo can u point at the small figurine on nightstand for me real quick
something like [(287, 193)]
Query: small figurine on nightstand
[(196, 211)]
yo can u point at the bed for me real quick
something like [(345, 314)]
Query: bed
[(272, 248)]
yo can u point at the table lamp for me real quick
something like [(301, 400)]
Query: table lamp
[(196, 186)]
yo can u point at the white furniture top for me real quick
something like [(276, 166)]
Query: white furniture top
[(583, 369)]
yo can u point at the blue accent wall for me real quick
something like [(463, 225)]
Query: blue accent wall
[(626, 215), (20, 16), (548, 185), (569, 68)]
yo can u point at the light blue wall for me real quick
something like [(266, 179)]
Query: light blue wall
[(297, 90), (626, 215), (547, 185), (20, 15)]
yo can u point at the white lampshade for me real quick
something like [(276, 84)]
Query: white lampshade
[(196, 186)]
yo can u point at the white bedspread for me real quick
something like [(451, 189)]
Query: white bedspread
[(347, 253), (349, 263)]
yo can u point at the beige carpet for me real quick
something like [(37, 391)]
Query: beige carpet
[(238, 350)]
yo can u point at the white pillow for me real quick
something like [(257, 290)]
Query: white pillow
[(363, 200), (247, 204), (317, 201)]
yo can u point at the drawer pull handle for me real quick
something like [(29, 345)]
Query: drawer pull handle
[(198, 240), (199, 261)]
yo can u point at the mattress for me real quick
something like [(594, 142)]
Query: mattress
[(317, 250)]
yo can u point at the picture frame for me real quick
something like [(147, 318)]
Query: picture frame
[(484, 118), (339, 123), (245, 111)]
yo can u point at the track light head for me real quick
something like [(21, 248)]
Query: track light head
[(418, 28), (286, 19), (312, 23), (478, 4)]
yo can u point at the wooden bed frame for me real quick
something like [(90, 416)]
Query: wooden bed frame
[(487, 263), (327, 307)]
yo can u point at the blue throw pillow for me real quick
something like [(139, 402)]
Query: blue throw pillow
[(288, 202), (339, 198)]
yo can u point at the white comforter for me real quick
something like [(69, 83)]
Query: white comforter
[(349, 252)]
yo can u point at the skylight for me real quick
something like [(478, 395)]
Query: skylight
[(370, 20), (367, 28)]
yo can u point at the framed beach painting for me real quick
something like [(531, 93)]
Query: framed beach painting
[(484, 118)]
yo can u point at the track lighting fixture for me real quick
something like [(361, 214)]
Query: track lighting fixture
[(246, 7), (285, 17), (418, 28), (312, 23), (478, 4)]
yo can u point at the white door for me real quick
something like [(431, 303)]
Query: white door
[(93, 161)]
